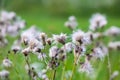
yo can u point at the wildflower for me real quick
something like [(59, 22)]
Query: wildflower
[(114, 45), (20, 23), (69, 47), (29, 34), (16, 46), (60, 38), (112, 31), (87, 68), (26, 51), (78, 52), (49, 41), (53, 51), (35, 43), (71, 23), (2, 30), (36, 50), (5, 16), (7, 62), (10, 24), (115, 74), (77, 36), (96, 35), (97, 21), (62, 54), (42, 56), (68, 74), (100, 52), (43, 75), (12, 30), (53, 63), (87, 38), (4, 74), (43, 37)]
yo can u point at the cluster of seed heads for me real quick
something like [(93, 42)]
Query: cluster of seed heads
[(53, 51), (10, 24)]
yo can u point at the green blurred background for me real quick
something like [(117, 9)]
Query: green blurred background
[(64, 7), (53, 13)]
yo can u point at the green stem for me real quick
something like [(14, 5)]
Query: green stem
[(63, 71), (54, 74), (109, 65), (73, 70), (44, 59), (26, 59)]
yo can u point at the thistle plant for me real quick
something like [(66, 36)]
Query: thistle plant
[(53, 51)]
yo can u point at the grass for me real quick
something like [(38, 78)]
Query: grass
[(50, 25)]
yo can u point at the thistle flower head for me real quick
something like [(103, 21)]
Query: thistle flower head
[(42, 56), (100, 51), (35, 43), (43, 75), (7, 62), (79, 50), (114, 74), (86, 67), (97, 21), (5, 16), (49, 41), (71, 23), (4, 74), (114, 45), (10, 24), (16, 46), (43, 38), (77, 36), (29, 34), (69, 47), (96, 35), (112, 31), (87, 38), (26, 51), (53, 51), (60, 38)]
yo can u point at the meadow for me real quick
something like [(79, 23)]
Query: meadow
[(55, 24)]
